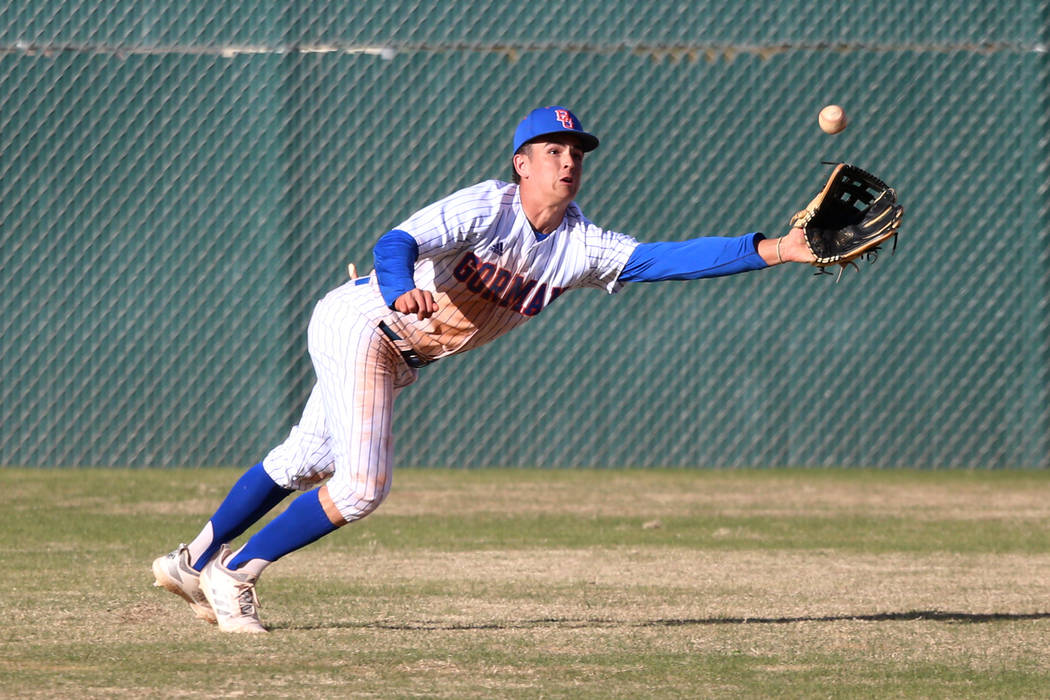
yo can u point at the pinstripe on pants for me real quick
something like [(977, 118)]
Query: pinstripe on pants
[(345, 432)]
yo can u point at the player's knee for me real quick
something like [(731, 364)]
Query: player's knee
[(358, 500)]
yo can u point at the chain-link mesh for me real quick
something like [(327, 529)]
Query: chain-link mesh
[(180, 181)]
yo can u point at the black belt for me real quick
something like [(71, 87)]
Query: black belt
[(411, 357)]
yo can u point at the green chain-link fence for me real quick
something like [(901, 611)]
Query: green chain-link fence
[(181, 181)]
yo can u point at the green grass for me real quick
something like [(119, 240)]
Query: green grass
[(556, 584)]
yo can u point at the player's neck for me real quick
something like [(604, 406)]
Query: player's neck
[(545, 217)]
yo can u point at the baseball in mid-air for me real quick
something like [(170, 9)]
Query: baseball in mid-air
[(832, 119)]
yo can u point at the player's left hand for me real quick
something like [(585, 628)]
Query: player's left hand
[(789, 248), (794, 248), (416, 301)]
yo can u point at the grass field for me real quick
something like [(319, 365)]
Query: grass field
[(549, 584)]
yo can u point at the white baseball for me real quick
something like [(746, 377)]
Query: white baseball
[(832, 119)]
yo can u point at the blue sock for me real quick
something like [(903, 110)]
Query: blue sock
[(252, 497), (303, 522)]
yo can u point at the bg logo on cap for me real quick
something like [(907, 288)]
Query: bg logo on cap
[(565, 117)]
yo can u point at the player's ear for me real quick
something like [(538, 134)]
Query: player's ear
[(521, 163)]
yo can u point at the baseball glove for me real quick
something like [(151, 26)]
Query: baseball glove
[(851, 217)]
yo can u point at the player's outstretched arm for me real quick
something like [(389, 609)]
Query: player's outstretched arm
[(713, 256), (789, 248)]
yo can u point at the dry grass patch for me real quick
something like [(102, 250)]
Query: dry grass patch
[(469, 585), (771, 493), (666, 586)]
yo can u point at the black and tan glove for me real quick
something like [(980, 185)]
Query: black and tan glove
[(851, 217)]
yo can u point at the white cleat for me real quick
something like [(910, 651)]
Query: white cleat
[(231, 594), (173, 573)]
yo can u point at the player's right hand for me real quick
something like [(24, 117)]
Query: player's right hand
[(416, 301)]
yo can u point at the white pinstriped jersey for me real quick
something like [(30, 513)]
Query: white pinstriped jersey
[(489, 272)]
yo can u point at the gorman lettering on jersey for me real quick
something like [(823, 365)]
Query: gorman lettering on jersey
[(504, 288)]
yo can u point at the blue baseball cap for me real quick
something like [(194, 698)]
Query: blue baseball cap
[(547, 121)]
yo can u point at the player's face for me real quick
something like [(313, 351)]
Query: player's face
[(553, 169)]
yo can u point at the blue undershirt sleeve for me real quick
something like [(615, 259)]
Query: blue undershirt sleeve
[(394, 256), (709, 256)]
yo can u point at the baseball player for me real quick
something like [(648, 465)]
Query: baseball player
[(453, 276)]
